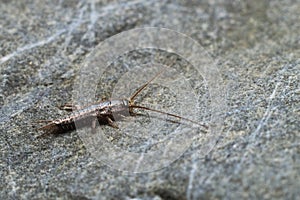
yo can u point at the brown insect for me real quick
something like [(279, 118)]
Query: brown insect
[(105, 112)]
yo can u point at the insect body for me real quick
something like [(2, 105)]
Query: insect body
[(105, 112)]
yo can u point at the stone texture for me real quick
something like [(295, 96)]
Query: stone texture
[(256, 43)]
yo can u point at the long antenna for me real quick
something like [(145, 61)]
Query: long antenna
[(173, 115), (132, 105), (144, 86)]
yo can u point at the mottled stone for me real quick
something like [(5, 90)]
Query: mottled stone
[(256, 46)]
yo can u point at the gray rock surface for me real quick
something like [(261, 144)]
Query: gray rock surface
[(43, 45)]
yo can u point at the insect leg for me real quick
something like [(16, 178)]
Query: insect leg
[(112, 123)]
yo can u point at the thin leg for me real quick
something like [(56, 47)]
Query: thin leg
[(112, 123)]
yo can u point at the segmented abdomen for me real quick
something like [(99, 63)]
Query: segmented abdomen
[(85, 116)]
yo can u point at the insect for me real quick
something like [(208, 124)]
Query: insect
[(105, 112)]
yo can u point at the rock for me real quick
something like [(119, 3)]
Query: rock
[(255, 46)]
